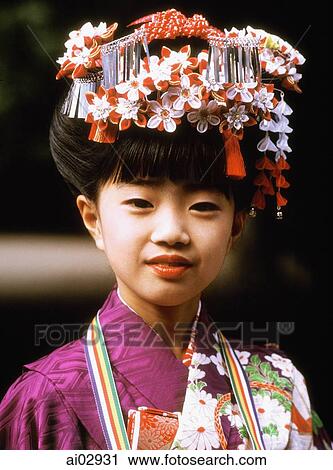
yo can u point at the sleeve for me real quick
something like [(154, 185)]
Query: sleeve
[(307, 430), (34, 415)]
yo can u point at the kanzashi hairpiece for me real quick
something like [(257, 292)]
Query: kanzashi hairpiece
[(229, 85)]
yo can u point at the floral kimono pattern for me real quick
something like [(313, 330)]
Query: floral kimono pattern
[(52, 406)]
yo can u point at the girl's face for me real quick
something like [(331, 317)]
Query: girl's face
[(135, 222)]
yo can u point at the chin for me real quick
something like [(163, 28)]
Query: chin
[(170, 295)]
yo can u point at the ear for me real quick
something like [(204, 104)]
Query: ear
[(237, 227), (91, 220)]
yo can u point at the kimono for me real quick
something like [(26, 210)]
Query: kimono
[(52, 404)]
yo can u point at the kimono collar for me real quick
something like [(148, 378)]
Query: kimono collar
[(141, 356)]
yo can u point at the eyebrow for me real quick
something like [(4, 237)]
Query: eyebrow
[(188, 187)]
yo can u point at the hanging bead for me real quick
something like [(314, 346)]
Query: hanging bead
[(252, 212), (279, 213)]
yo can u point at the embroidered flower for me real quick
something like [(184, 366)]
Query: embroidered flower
[(236, 117), (203, 403), (164, 115), (199, 433), (231, 410), (282, 363), (269, 411), (218, 361), (205, 116), (200, 358), (187, 95), (240, 92), (243, 357), (195, 374)]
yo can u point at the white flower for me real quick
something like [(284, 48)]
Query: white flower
[(233, 414), (187, 93), (218, 361), (164, 113), (76, 38), (236, 116), (200, 358), (282, 363), (203, 403), (243, 357), (242, 89), (100, 108), (204, 116), (210, 83), (158, 71), (276, 64), (270, 411), (195, 374), (199, 433), (263, 99), (132, 88), (128, 109), (178, 58), (266, 144)]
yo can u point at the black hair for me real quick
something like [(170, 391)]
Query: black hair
[(185, 154)]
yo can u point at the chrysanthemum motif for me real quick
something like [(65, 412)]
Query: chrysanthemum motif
[(204, 116), (236, 117), (199, 433), (164, 115), (203, 402), (231, 410)]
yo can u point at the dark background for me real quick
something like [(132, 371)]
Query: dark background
[(34, 200)]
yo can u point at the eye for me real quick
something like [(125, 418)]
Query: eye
[(139, 203), (205, 207)]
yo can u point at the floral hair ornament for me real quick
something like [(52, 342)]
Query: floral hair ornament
[(117, 83)]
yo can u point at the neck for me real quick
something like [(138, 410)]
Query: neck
[(172, 323)]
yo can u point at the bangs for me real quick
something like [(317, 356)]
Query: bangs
[(184, 155)]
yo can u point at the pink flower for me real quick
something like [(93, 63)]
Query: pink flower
[(164, 115)]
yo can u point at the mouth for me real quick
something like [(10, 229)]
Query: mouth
[(169, 266)]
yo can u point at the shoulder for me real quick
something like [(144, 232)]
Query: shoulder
[(271, 365), (35, 412)]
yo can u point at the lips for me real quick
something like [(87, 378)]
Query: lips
[(169, 266), (170, 260)]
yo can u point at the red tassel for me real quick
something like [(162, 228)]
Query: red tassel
[(234, 159)]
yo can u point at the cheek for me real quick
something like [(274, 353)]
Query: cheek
[(122, 235), (214, 242)]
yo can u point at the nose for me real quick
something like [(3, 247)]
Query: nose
[(170, 228)]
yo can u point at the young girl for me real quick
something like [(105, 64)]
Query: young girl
[(154, 371)]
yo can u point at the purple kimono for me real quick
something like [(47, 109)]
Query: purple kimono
[(51, 405)]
